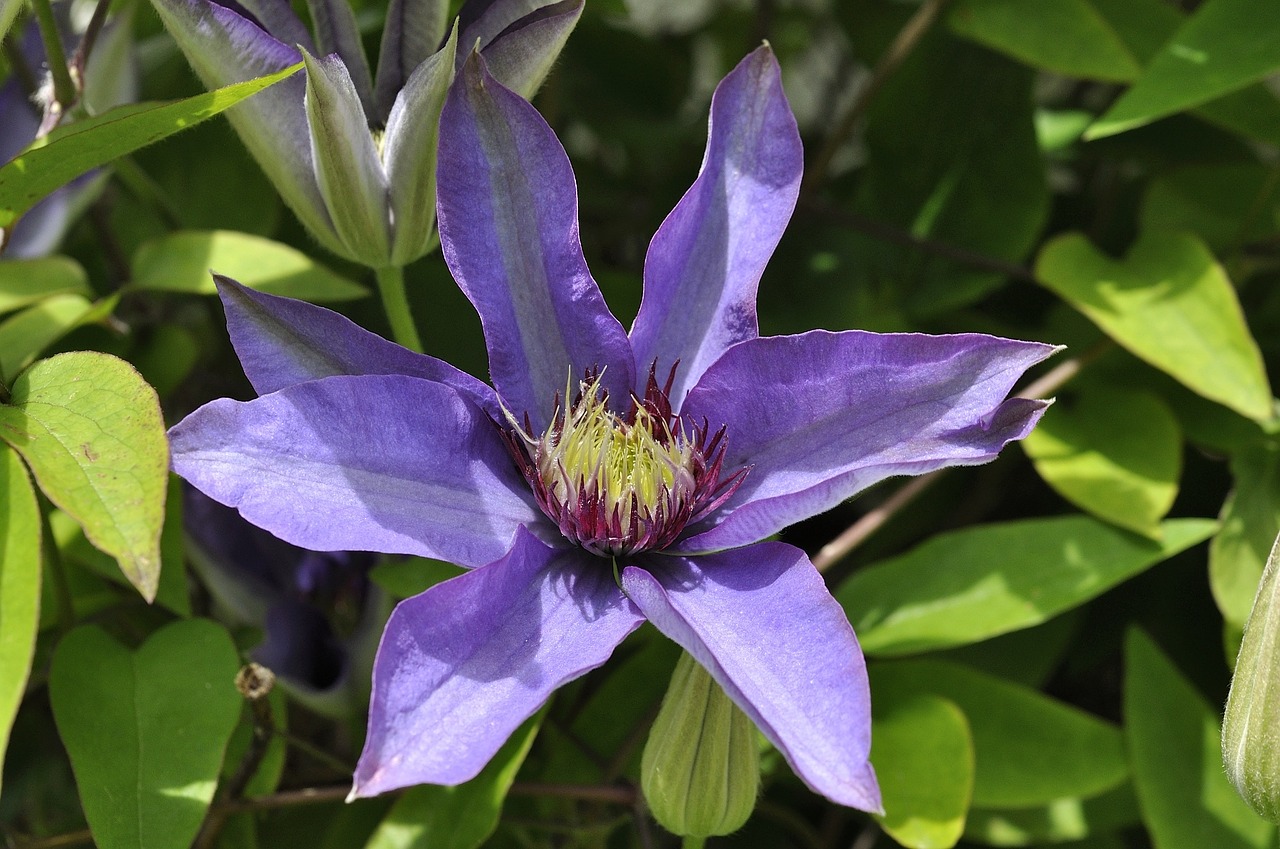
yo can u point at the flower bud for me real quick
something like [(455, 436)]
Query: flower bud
[(701, 767), (1251, 727)]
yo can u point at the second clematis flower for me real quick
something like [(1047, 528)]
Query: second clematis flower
[(354, 154), (607, 478)]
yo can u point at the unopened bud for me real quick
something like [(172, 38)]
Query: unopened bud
[(1251, 727), (701, 767)]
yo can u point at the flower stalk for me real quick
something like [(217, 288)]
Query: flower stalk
[(64, 88), (396, 303)]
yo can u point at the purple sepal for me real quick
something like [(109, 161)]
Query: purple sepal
[(509, 231), (382, 463), (282, 342), (412, 33), (337, 32), (820, 416), (705, 261), (463, 664), (761, 621), (519, 52)]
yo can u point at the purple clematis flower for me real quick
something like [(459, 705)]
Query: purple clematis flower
[(355, 157), (608, 478)]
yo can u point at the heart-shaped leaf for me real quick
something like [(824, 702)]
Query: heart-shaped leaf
[(146, 729), (91, 431)]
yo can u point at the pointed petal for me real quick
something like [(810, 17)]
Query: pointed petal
[(278, 18), (348, 168), (521, 40), (761, 621), (337, 32), (225, 48), (820, 416), (705, 261), (370, 463), (281, 342), (509, 230), (409, 149), (463, 664), (412, 34)]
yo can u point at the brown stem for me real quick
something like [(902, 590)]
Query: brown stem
[(906, 40)]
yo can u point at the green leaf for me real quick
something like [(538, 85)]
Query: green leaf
[(407, 576), (1250, 524), (1175, 745), (78, 148), (923, 755), (976, 583), (1057, 822), (462, 817), (1224, 46), (182, 262), (26, 334), (26, 281), (1114, 454), (1171, 304), (8, 12), (146, 729), (1029, 749), (1067, 37), (20, 535), (92, 433)]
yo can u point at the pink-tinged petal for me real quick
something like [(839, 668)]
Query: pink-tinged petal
[(508, 209), (281, 342), (337, 32), (821, 416), (223, 48), (412, 33), (705, 261), (370, 463), (278, 18), (520, 39), (762, 622), (463, 664)]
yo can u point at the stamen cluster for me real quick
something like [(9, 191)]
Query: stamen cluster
[(615, 484)]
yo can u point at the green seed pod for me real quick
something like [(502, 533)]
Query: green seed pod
[(1251, 727), (701, 767)]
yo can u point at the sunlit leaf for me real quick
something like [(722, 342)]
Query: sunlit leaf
[(182, 262), (92, 433), (1057, 822), (26, 281), (1171, 304), (79, 147), (923, 755), (146, 729), (1115, 454), (19, 586), (975, 583)]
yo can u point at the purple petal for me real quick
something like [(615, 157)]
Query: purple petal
[(278, 18), (225, 48), (820, 416), (705, 261), (762, 622), (520, 41), (282, 342), (412, 33), (463, 664), (508, 211), (348, 167), (369, 463), (337, 32)]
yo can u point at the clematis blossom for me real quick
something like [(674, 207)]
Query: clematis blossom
[(354, 155), (608, 478)]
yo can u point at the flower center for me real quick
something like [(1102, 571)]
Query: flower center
[(621, 484)]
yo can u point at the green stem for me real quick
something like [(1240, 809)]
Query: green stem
[(64, 89), (691, 842), (396, 303)]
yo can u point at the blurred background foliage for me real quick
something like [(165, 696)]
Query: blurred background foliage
[(1051, 636)]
